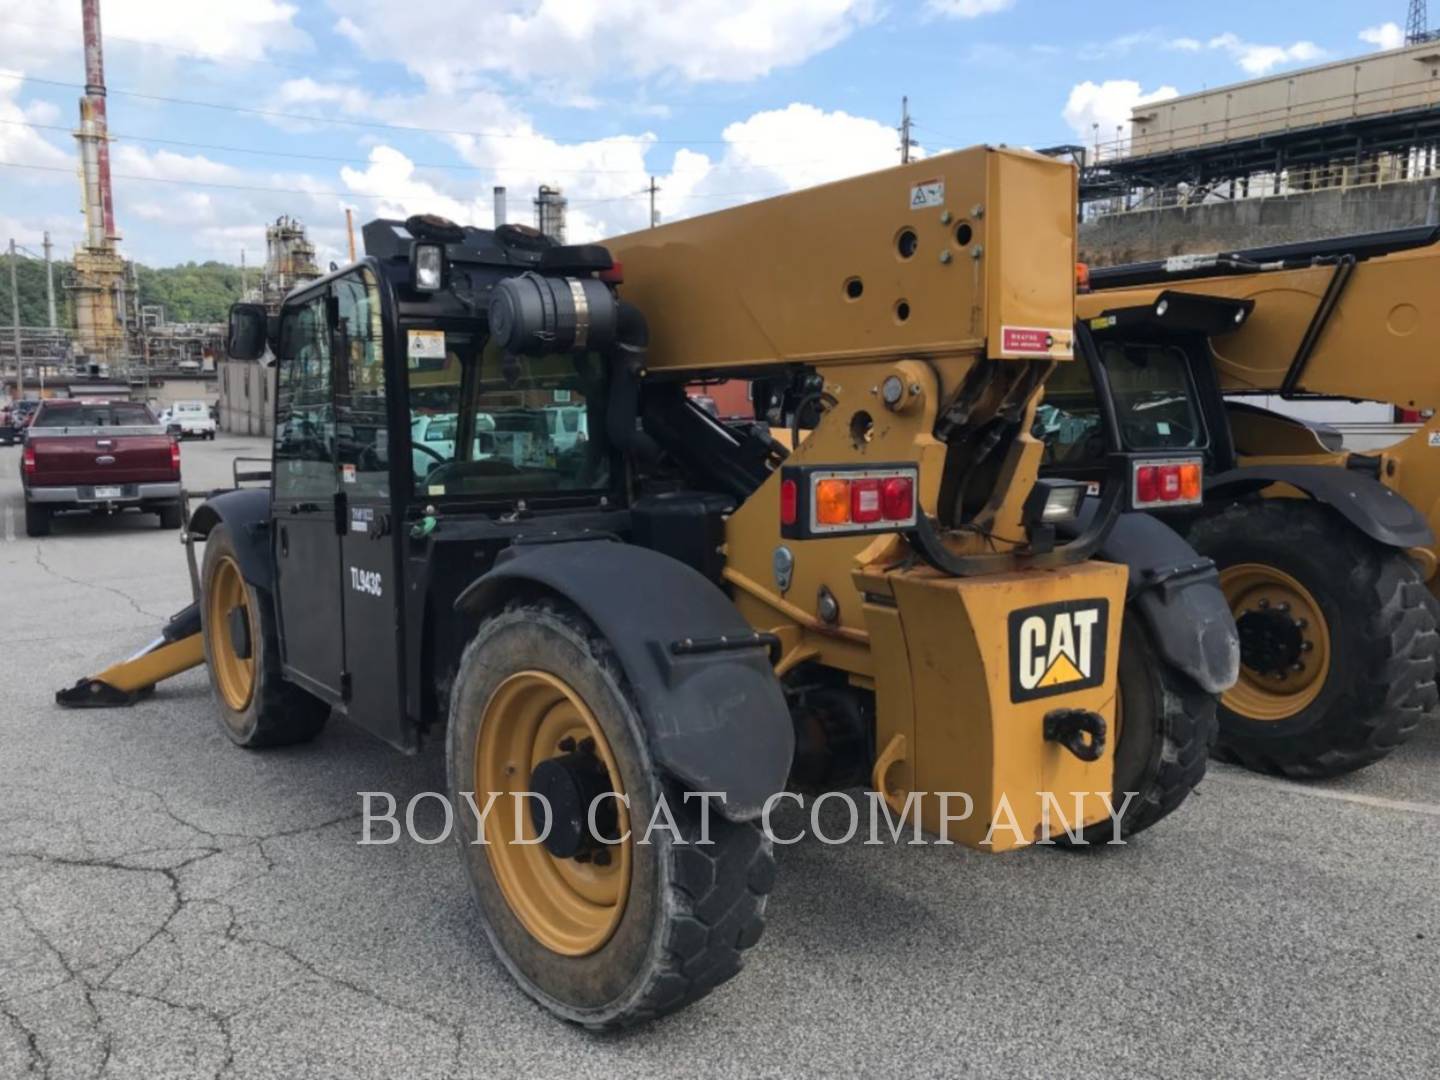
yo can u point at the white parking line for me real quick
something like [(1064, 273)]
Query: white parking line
[(1373, 801)]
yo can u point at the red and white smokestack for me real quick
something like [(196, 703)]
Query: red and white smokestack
[(94, 142)]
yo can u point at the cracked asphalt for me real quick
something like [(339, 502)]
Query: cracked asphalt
[(173, 906)]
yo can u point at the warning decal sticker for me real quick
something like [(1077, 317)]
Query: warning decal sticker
[(1034, 341), (927, 193)]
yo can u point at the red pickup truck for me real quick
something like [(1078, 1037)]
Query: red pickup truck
[(98, 456)]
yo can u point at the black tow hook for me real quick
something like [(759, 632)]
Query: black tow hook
[(1080, 731)]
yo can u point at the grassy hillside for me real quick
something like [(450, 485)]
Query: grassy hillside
[(193, 292)]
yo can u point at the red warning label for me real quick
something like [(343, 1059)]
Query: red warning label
[(1034, 340)]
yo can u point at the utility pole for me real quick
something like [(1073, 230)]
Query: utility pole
[(350, 231), (244, 281), (652, 189), (50, 283), (906, 142), (15, 308)]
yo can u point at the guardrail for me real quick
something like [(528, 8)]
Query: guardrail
[(1385, 170)]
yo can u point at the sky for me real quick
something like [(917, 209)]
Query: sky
[(227, 113)]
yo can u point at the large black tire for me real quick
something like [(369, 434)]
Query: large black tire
[(1166, 731), (276, 713), (691, 910), (37, 520), (171, 516), (1379, 683)]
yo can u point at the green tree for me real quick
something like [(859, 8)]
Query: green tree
[(191, 292)]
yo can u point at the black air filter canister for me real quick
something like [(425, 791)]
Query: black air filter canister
[(535, 314)]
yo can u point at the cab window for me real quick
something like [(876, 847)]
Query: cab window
[(1154, 405), (304, 411), (486, 425), (362, 434), (1154, 401)]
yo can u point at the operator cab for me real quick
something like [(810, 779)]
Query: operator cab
[(1149, 372), (412, 443)]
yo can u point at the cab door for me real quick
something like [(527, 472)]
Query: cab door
[(305, 484), (370, 594)]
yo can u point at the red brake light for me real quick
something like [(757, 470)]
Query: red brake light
[(897, 498), (28, 461), (789, 502), (175, 456), (615, 275), (1147, 484), (865, 501)]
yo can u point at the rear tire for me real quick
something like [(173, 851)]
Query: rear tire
[(37, 520), (171, 516), (1369, 637), (257, 707), (1166, 730), (687, 911)]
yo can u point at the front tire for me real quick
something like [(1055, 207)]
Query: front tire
[(257, 707), (1165, 730), (1338, 643), (655, 926)]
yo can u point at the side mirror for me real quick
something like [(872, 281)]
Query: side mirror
[(245, 338)]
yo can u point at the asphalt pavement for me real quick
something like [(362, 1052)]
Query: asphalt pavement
[(173, 906)]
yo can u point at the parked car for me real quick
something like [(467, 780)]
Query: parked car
[(186, 418), (99, 456)]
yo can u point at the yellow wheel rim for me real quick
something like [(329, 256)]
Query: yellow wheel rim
[(1285, 643), (234, 676), (570, 906)]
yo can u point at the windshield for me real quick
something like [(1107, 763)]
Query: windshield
[(483, 424), (108, 414), (1154, 405)]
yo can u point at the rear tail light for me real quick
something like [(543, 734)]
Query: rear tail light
[(28, 461), (833, 500), (789, 502), (1166, 483), (175, 456)]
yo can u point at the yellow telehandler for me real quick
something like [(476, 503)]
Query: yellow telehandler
[(1323, 553), (495, 517)]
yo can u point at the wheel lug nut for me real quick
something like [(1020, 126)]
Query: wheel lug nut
[(1297, 667), (1282, 608), (1302, 624), (1264, 605), (1306, 646), (587, 745), (567, 744), (602, 858)]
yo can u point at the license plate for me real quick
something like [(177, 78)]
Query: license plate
[(107, 493)]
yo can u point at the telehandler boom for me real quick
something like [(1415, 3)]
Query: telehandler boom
[(496, 517), (1323, 552)]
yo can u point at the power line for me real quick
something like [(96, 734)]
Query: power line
[(278, 114)]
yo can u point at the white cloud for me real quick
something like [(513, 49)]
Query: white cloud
[(26, 144), (1385, 36), (1107, 104), (768, 153), (559, 41), (968, 9), (40, 34), (1259, 59)]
